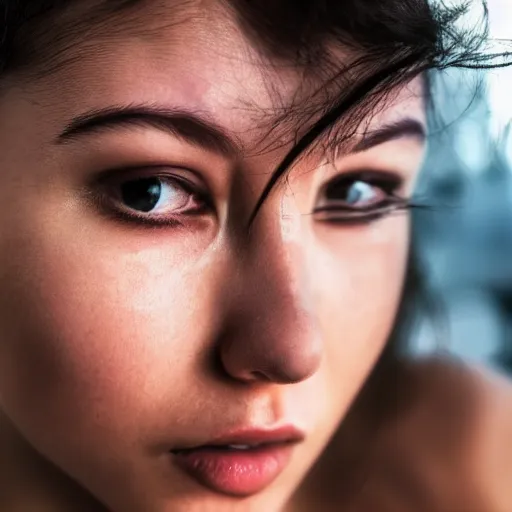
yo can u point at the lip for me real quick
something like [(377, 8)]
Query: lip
[(239, 472)]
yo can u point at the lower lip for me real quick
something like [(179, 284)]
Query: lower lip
[(236, 473)]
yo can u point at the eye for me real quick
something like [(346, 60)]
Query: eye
[(152, 199), (360, 197), (355, 194), (153, 195)]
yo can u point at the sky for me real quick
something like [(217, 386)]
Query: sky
[(500, 82)]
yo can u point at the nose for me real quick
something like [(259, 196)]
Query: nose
[(271, 334)]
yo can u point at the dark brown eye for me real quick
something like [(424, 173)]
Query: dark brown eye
[(157, 198), (151, 195)]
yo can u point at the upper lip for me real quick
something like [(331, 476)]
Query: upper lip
[(251, 437)]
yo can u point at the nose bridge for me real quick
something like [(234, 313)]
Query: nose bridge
[(275, 337), (267, 244), (275, 262)]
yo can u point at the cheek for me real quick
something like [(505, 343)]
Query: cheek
[(357, 283), (92, 335)]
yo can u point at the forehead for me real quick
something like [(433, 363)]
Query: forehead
[(192, 56)]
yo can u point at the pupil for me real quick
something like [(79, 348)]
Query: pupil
[(142, 195)]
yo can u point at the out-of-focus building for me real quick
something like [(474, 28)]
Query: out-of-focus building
[(465, 237)]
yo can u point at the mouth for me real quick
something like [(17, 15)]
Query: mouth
[(239, 464)]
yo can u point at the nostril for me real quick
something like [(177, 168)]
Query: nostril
[(258, 375), (284, 373)]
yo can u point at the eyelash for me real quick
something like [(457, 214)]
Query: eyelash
[(114, 179), (389, 183)]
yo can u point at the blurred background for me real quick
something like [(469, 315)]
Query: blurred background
[(465, 237)]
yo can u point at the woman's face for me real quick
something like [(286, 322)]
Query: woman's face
[(141, 322)]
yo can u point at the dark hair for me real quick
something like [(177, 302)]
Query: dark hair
[(391, 40)]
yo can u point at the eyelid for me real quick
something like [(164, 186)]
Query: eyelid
[(388, 181), (128, 173), (105, 193), (362, 217)]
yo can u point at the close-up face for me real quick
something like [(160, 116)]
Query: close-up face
[(155, 348)]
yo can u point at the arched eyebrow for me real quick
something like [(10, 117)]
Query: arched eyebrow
[(192, 127), (407, 128), (196, 129)]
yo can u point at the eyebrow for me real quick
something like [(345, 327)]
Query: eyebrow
[(189, 126), (407, 128), (200, 131)]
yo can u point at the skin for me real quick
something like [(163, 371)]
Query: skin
[(122, 340), (433, 438)]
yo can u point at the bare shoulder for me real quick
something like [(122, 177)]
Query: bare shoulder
[(474, 403), (444, 447), (447, 385), (475, 399), (452, 441), (441, 370)]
